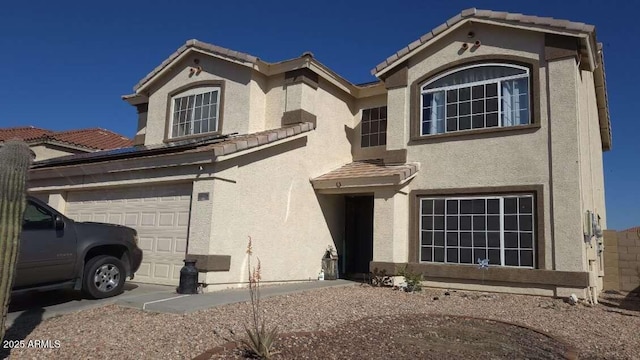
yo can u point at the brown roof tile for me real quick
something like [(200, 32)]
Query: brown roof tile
[(22, 133), (485, 14), (197, 44), (92, 139), (369, 169), (239, 143)]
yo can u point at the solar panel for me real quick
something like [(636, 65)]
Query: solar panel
[(132, 150)]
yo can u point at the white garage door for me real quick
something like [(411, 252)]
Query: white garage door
[(160, 214)]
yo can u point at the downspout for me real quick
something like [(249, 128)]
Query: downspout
[(550, 155)]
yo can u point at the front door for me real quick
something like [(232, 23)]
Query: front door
[(358, 235)]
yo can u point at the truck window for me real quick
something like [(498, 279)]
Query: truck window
[(37, 218)]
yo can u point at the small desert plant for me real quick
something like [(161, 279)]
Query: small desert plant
[(261, 340), (413, 280), (379, 278)]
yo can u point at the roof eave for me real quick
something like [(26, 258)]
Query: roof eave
[(584, 32), (604, 118), (135, 99)]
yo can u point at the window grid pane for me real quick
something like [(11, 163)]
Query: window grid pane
[(195, 114), (474, 103), (373, 127), (463, 230)]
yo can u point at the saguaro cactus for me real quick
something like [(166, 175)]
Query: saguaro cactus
[(15, 158)]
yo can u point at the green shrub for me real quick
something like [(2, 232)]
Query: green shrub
[(413, 280)]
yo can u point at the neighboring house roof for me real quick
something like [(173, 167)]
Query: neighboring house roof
[(23, 133), (219, 146), (633, 229), (366, 173), (90, 139)]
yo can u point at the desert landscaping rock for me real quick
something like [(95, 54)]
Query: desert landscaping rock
[(113, 332)]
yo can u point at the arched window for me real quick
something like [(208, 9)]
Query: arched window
[(476, 97)]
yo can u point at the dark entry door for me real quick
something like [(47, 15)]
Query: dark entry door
[(358, 235)]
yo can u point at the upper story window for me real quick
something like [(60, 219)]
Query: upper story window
[(476, 97), (195, 111), (374, 127)]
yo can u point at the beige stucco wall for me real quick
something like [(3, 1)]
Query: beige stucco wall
[(516, 158), (504, 159), (567, 213), (390, 225), (591, 168), (267, 195), (275, 101), (240, 84), (258, 102)]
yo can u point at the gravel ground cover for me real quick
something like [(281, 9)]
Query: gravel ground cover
[(596, 332)]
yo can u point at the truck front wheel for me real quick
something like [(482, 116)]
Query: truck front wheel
[(104, 277)]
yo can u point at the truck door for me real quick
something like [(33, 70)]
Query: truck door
[(47, 248)]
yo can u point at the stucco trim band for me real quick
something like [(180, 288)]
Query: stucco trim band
[(206, 263), (301, 76), (298, 116), (574, 279), (398, 78)]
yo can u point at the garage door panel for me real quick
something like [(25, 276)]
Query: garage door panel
[(160, 214)]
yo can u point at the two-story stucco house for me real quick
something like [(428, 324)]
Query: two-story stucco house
[(483, 139)]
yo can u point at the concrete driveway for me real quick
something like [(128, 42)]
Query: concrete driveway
[(38, 306)]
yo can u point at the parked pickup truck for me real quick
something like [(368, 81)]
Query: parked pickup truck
[(57, 252)]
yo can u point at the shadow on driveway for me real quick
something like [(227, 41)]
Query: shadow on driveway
[(22, 326), (46, 299)]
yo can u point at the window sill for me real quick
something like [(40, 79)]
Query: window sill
[(453, 272), (486, 132)]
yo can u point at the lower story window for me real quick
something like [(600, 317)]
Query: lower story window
[(461, 230)]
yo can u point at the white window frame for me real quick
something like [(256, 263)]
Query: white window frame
[(190, 92), (484, 82), (502, 231)]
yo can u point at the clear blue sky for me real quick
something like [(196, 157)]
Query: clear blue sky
[(65, 64)]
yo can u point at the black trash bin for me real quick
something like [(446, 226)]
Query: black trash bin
[(188, 278)]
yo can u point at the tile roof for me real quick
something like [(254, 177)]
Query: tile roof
[(220, 146), (369, 171), (248, 141), (197, 44), (484, 14), (633, 229), (91, 139), (23, 133)]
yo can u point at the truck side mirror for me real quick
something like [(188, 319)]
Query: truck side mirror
[(59, 223)]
